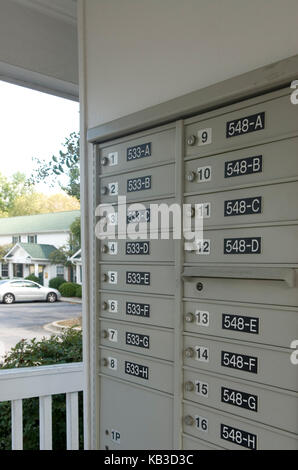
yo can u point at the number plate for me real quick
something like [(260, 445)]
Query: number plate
[(244, 166), (240, 323), (245, 206), (239, 399), (139, 184), (139, 216), (238, 437), (139, 151), (242, 246), (139, 278), (240, 362), (135, 339), (245, 125), (137, 309), (137, 248), (137, 370)]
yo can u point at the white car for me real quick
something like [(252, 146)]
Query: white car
[(15, 290)]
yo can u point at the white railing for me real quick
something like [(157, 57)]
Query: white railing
[(43, 382)]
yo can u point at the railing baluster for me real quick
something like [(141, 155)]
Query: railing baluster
[(45, 423), (72, 421), (17, 424)]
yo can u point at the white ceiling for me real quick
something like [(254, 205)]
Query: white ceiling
[(65, 10)]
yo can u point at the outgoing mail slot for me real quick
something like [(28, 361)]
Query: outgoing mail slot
[(264, 204), (261, 364), (137, 186), (147, 149), (244, 399), (277, 244), (244, 167), (137, 339), (273, 325), (138, 278), (234, 433), (262, 291), (151, 373), (140, 309), (255, 121), (142, 250)]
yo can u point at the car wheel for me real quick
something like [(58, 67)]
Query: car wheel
[(8, 299), (52, 297)]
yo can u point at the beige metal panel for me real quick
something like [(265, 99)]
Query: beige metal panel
[(191, 443), (264, 119), (157, 182), (126, 424), (143, 250), (256, 324), (234, 433), (277, 244), (257, 363), (265, 405), (140, 309), (150, 148), (151, 373), (137, 339), (138, 278), (244, 167), (257, 205)]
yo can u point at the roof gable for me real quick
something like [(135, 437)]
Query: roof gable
[(33, 250)]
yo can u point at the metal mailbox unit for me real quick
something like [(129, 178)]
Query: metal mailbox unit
[(191, 344)]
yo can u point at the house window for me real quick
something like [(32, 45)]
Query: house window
[(16, 239), (32, 238), (60, 271), (4, 270)]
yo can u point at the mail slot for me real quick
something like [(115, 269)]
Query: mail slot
[(242, 398), (262, 364), (234, 433), (139, 185), (146, 149), (244, 167), (139, 309), (125, 423), (140, 250), (277, 244), (151, 373), (190, 443), (256, 121), (264, 204), (262, 291), (257, 324), (147, 341)]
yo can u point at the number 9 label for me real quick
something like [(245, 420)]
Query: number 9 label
[(205, 136)]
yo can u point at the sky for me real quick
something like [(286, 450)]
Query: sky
[(32, 124)]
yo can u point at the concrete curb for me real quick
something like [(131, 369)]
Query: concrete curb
[(71, 300), (56, 328)]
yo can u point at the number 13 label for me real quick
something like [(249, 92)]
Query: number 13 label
[(205, 136)]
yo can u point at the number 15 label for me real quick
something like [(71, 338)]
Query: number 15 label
[(205, 136)]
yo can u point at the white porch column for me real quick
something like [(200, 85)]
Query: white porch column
[(10, 270), (36, 269), (78, 274)]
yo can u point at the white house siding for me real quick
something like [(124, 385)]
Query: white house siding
[(57, 239)]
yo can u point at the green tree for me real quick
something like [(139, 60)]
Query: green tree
[(67, 163), (10, 190), (62, 254), (75, 235)]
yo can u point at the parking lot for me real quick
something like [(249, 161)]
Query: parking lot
[(27, 320)]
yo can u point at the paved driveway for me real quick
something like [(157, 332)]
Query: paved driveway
[(26, 320)]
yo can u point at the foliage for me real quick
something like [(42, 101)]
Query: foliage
[(56, 350), (38, 203), (33, 278), (4, 249), (10, 190), (68, 289), (60, 256), (56, 282), (75, 235), (67, 164), (79, 292)]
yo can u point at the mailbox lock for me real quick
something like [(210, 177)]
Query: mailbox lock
[(104, 277), (199, 286), (104, 161), (104, 190), (105, 334), (104, 249), (190, 176), (189, 421), (104, 306), (105, 362), (189, 386), (191, 140), (189, 317), (189, 352)]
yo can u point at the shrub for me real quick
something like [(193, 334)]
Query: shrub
[(33, 278), (61, 349), (56, 282), (68, 289), (79, 292)]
